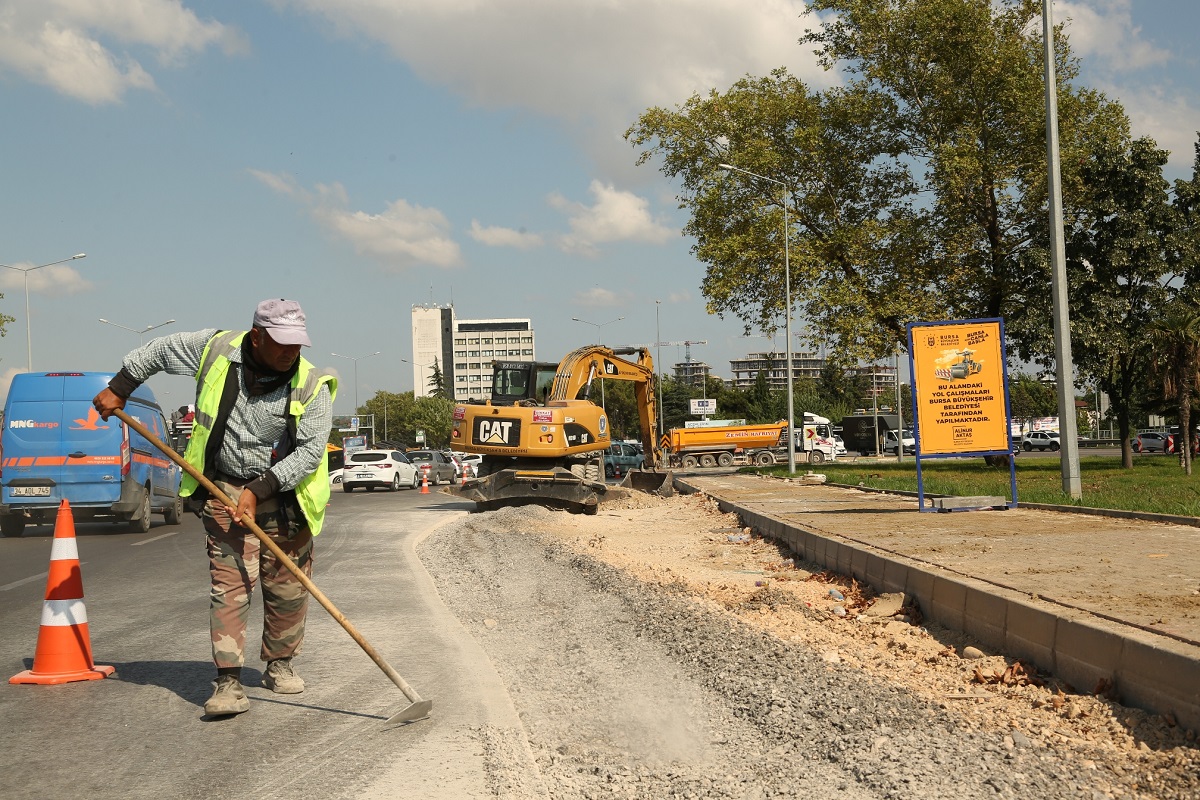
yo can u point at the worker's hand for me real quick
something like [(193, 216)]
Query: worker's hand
[(107, 402), (247, 506)]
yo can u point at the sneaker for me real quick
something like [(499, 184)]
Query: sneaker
[(228, 697), (281, 678)]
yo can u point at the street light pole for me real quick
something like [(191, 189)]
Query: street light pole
[(1068, 428), (599, 341), (356, 360), (28, 333), (141, 332), (787, 284)]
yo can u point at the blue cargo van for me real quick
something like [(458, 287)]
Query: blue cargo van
[(55, 446)]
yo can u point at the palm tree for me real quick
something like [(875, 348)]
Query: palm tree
[(1175, 343)]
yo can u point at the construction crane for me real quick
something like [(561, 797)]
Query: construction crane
[(687, 347)]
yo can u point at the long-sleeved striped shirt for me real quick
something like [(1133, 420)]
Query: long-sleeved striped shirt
[(255, 424)]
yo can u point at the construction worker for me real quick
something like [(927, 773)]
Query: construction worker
[(263, 416)]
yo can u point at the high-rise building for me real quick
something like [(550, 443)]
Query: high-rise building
[(464, 350), (745, 370)]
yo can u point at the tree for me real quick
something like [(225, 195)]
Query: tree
[(437, 382), (1029, 398), (1116, 265), (433, 415), (1175, 340), (4, 320), (916, 190)]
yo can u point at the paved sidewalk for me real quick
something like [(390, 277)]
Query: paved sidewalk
[(1087, 597)]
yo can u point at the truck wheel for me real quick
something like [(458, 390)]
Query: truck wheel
[(764, 459), (12, 525), (816, 457), (174, 512), (689, 462), (708, 460), (141, 522), (725, 460)]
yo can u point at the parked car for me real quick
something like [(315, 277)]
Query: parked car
[(371, 469), (434, 466), (472, 462), (622, 456), (839, 446), (57, 448), (1040, 440), (1150, 442), (891, 442), (457, 462)]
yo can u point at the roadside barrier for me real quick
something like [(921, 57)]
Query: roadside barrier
[(64, 649)]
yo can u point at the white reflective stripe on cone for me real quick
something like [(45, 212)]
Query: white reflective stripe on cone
[(64, 550), (60, 613)]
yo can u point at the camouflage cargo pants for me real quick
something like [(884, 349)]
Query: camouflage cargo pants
[(236, 561)]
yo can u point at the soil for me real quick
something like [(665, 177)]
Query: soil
[(661, 649)]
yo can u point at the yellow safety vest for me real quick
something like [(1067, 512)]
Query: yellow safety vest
[(312, 492)]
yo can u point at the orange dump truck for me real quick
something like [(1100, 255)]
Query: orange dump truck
[(756, 444)]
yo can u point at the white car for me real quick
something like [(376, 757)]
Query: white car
[(389, 469), (471, 462), (1040, 440), (839, 446)]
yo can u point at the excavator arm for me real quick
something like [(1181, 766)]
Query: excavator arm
[(579, 369)]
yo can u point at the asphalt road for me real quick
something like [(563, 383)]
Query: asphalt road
[(142, 733)]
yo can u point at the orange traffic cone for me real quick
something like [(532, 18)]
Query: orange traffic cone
[(424, 482), (64, 650), (464, 478)]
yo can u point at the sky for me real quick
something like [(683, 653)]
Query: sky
[(362, 156)]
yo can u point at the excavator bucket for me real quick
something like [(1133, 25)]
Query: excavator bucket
[(555, 488), (659, 483)]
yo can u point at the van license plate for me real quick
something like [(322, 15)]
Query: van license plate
[(30, 491)]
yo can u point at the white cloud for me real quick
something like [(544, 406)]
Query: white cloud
[(56, 280), (1121, 62), (597, 297), (66, 44), (404, 235), (1103, 30), (494, 236), (616, 216), (592, 65)]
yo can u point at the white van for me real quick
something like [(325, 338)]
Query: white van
[(890, 438)]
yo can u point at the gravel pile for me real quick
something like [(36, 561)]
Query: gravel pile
[(636, 689)]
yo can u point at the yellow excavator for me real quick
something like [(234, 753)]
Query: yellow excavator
[(542, 438)]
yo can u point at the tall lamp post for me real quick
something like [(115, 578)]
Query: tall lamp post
[(787, 284), (356, 360), (28, 334), (599, 341), (141, 332)]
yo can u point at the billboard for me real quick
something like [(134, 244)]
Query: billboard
[(703, 406), (959, 387)]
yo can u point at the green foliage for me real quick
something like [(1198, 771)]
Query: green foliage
[(4, 320), (1029, 398), (434, 416), (1175, 340), (437, 382), (916, 191)]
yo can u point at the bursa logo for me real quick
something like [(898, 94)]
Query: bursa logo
[(30, 423)]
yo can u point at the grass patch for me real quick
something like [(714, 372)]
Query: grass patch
[(1154, 484)]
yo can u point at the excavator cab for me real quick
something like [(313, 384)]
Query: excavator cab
[(522, 382)]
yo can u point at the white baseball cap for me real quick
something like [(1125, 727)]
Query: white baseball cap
[(283, 320)]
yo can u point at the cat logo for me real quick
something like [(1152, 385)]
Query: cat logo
[(498, 432), (610, 368)]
